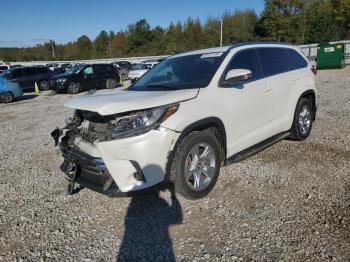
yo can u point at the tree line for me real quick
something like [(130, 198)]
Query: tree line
[(294, 21)]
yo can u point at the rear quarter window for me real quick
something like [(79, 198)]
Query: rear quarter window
[(273, 60), (296, 61)]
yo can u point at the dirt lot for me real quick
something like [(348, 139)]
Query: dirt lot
[(289, 202)]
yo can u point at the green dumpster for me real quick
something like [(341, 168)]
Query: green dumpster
[(330, 56)]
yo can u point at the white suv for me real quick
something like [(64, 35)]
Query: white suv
[(187, 117)]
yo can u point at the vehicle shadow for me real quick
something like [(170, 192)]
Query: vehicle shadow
[(147, 222), (25, 97)]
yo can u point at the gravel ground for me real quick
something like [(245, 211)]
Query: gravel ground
[(289, 202)]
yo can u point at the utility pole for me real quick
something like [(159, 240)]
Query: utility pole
[(221, 26), (53, 50)]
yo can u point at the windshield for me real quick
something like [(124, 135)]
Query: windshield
[(139, 67), (74, 70), (184, 72)]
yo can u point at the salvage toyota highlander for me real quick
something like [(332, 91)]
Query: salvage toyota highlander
[(187, 117)]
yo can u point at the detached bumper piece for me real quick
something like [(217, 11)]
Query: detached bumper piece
[(88, 171)]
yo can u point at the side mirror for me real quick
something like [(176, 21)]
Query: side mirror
[(237, 76)]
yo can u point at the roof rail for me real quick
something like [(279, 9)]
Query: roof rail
[(257, 43)]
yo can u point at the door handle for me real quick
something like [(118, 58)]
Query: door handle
[(266, 89)]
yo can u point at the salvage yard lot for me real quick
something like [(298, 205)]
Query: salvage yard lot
[(290, 202)]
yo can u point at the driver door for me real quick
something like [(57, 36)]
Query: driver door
[(249, 104)]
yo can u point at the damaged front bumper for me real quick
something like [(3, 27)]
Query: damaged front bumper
[(118, 167), (88, 171)]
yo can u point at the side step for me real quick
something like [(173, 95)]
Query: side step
[(257, 148)]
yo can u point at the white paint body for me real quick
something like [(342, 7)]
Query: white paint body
[(250, 115)]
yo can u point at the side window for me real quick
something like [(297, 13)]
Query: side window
[(29, 71), (273, 60), (296, 61), (42, 70), (88, 71), (16, 73), (108, 69), (246, 59)]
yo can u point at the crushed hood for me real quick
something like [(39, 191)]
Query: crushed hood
[(109, 102)]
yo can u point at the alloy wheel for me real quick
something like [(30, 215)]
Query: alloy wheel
[(200, 165), (304, 119)]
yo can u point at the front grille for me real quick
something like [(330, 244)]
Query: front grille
[(94, 127)]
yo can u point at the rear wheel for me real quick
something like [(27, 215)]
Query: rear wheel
[(196, 164), (6, 97), (302, 123), (44, 85), (73, 88), (111, 83)]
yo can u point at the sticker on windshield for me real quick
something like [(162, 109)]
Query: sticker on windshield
[(212, 55)]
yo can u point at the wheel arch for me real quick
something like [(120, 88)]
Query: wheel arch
[(310, 94), (211, 122)]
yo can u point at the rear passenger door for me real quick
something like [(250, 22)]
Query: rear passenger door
[(249, 104), (104, 72), (283, 79)]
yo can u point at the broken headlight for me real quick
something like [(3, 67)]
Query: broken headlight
[(141, 122)]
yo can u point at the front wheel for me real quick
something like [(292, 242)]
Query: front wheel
[(73, 88), (302, 123), (6, 97), (196, 164)]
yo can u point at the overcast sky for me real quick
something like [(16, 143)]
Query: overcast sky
[(28, 22)]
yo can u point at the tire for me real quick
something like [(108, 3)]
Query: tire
[(111, 83), (44, 85), (302, 122), (73, 88), (188, 167), (7, 97)]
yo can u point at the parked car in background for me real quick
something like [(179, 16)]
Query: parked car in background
[(52, 66), (127, 65), (138, 70), (153, 61), (189, 116), (123, 72), (4, 68), (15, 66), (9, 91), (26, 77), (86, 77)]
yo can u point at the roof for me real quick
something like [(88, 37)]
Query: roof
[(228, 48)]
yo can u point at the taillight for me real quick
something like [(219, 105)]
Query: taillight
[(314, 69)]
